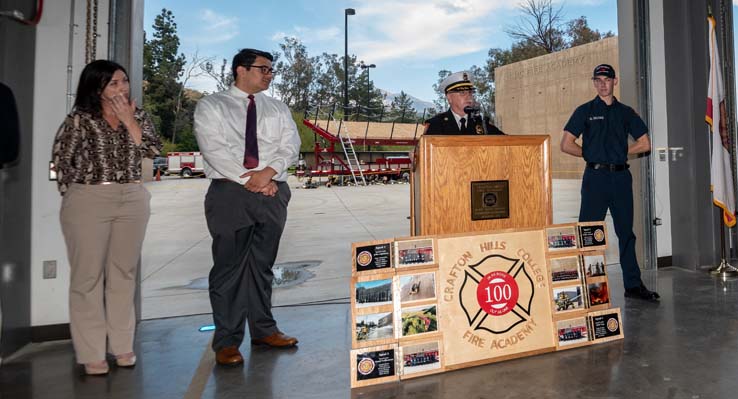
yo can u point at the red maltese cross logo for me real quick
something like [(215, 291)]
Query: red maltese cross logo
[(497, 294)]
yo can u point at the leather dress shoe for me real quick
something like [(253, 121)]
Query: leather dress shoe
[(276, 340), (228, 356), (641, 292)]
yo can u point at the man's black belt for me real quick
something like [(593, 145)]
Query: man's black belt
[(607, 166)]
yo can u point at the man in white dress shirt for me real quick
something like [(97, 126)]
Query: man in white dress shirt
[(248, 140)]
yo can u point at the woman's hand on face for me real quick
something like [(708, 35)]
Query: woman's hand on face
[(123, 109)]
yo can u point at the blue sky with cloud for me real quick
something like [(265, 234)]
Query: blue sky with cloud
[(409, 41)]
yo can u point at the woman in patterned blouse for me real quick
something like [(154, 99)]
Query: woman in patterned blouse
[(105, 209)]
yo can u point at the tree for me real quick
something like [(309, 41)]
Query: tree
[(368, 100), (185, 132), (540, 31), (519, 51), (440, 101), (223, 78), (194, 69), (161, 71), (296, 71), (541, 24), (402, 107), (327, 88), (485, 92), (353, 70), (580, 33)]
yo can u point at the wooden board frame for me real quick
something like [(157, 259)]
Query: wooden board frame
[(584, 316), (582, 321), (358, 280), (356, 383), (559, 258), (555, 306), (591, 286), (356, 262), (582, 240), (585, 264), (500, 358), (438, 340), (400, 310), (422, 289), (598, 278), (593, 327), (571, 234), (397, 255), (356, 343)]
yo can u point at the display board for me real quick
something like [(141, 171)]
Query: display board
[(424, 305)]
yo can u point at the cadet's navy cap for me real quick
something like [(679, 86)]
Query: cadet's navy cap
[(457, 81), (604, 70)]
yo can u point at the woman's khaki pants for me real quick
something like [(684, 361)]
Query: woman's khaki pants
[(103, 227)]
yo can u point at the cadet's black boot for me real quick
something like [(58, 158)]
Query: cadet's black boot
[(641, 292)]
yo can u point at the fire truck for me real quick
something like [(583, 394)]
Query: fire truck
[(185, 164)]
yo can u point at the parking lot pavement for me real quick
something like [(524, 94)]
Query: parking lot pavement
[(321, 225)]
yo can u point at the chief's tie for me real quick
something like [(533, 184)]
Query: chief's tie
[(463, 125), (251, 150)]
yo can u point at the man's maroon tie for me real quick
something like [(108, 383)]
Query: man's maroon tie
[(251, 151)]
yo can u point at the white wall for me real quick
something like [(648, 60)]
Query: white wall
[(49, 297), (658, 128)]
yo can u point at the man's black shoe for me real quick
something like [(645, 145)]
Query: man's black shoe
[(641, 292)]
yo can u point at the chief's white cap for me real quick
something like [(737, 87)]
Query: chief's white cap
[(457, 81)]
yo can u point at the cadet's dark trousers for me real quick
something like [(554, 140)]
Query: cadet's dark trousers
[(246, 228), (602, 189)]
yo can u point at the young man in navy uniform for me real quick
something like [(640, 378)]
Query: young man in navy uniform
[(459, 93), (605, 124)]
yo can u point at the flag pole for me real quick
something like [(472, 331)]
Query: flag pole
[(715, 119), (724, 269)]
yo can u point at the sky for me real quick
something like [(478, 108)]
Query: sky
[(409, 41)]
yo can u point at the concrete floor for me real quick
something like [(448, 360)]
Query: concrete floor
[(175, 360), (321, 225), (684, 348)]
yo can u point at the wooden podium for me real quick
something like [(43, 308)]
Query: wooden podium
[(452, 171)]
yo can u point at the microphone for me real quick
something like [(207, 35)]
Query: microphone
[(472, 109)]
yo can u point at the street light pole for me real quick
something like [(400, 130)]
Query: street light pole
[(347, 12)]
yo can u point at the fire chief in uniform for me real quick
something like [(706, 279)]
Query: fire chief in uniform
[(459, 91), (605, 124)]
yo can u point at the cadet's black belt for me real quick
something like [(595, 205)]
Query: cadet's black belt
[(607, 166)]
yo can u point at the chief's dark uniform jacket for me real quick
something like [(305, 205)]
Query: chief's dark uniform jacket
[(444, 123)]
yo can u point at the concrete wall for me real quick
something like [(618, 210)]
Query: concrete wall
[(538, 96), (17, 56), (49, 297)]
